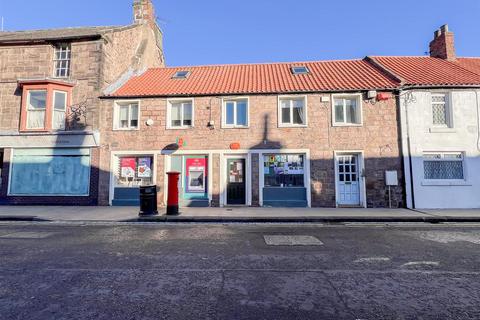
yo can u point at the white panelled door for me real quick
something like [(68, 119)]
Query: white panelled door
[(348, 180)]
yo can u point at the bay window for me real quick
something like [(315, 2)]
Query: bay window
[(44, 105), (36, 107)]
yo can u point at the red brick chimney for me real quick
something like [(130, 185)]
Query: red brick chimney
[(144, 12), (442, 45)]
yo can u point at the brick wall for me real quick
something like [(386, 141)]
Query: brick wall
[(377, 138)]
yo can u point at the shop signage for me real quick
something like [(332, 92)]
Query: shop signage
[(127, 167), (144, 167)]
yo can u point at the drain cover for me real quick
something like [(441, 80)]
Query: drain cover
[(26, 235), (279, 240)]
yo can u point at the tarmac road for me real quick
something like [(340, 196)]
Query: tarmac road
[(215, 271)]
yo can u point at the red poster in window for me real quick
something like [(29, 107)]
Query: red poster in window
[(196, 175), (127, 167)]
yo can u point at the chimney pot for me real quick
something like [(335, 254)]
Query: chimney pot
[(144, 12), (443, 44)]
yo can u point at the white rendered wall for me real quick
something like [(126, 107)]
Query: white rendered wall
[(416, 122)]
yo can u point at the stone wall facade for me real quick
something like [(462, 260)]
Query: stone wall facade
[(377, 139), (96, 63)]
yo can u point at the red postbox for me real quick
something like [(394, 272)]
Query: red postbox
[(172, 198)]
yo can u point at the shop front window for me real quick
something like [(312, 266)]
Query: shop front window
[(281, 170), (134, 171)]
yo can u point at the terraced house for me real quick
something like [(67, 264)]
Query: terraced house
[(371, 132), (50, 84)]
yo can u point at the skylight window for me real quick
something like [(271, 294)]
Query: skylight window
[(181, 75), (300, 70)]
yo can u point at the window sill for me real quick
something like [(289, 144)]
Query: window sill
[(446, 183), (34, 130), (235, 127), (347, 125), (180, 128), (126, 129), (442, 130), (293, 125)]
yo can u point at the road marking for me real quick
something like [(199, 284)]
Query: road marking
[(283, 240), (372, 260), (448, 236), (26, 235), (420, 263)]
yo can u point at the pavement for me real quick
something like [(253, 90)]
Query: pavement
[(239, 271), (235, 214)]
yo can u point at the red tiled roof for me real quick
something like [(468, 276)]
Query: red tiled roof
[(427, 71), (341, 75), (472, 64)]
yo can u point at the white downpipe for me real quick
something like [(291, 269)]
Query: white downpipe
[(478, 119)]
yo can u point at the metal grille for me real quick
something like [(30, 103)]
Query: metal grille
[(439, 109), (62, 60), (443, 166)]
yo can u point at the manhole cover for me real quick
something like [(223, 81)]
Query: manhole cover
[(26, 235), (279, 240)]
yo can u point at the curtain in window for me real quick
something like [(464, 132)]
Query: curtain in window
[(351, 110), (187, 114), (298, 112), (123, 116), (37, 103), (339, 116), (134, 115), (59, 108), (176, 114)]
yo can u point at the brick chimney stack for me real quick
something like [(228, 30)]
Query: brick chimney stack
[(442, 45), (144, 12)]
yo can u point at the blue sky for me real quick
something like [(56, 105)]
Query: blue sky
[(199, 32)]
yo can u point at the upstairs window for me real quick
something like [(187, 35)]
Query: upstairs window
[(235, 113), (126, 116), (36, 109), (59, 110), (441, 110), (443, 166), (61, 60), (292, 111), (180, 114), (44, 106), (347, 110)]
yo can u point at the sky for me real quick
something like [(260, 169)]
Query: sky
[(203, 32)]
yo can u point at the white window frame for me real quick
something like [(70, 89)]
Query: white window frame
[(169, 113), (28, 110), (60, 47), (448, 110), (224, 112), (116, 114), (65, 110), (291, 124), (359, 98), (443, 153)]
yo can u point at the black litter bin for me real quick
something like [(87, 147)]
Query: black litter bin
[(148, 201)]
